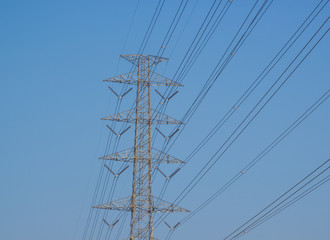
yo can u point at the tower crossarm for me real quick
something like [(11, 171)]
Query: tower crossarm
[(128, 156), (127, 78), (136, 58), (159, 205), (154, 80), (152, 238), (156, 118)]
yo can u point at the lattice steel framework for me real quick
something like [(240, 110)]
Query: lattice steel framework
[(141, 204)]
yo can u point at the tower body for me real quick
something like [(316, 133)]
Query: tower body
[(143, 156), (142, 200)]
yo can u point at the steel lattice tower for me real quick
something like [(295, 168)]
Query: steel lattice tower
[(142, 204)]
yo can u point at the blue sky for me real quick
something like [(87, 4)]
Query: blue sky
[(54, 56)]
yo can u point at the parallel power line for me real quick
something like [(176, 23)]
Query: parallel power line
[(249, 118), (287, 198), (204, 91), (248, 29), (237, 105), (259, 157)]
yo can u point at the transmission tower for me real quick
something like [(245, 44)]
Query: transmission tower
[(142, 204)]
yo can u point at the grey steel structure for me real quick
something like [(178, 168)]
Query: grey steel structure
[(142, 203)]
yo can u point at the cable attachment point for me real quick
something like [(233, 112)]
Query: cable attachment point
[(170, 176), (117, 135), (166, 99), (169, 137), (118, 174), (110, 225), (172, 228), (120, 96)]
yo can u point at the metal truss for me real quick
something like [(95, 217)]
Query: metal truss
[(142, 204)]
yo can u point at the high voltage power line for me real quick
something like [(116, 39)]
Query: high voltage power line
[(205, 90), (241, 128), (237, 105), (260, 156), (285, 198), (145, 159)]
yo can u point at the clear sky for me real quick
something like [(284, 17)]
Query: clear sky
[(54, 56)]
